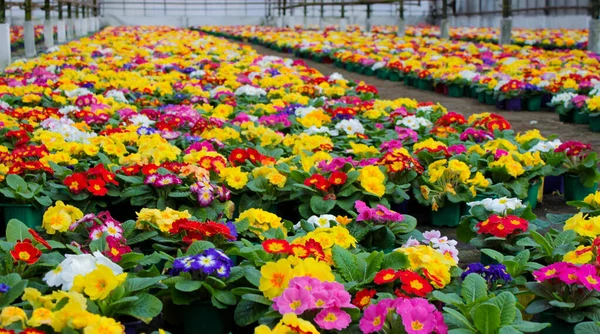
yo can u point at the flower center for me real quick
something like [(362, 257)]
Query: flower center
[(416, 325), (278, 279), (24, 256)]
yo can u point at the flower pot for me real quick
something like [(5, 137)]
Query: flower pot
[(501, 104), (133, 327), (455, 91), (566, 118), (29, 214), (546, 98), (490, 99), (534, 103), (575, 190), (481, 97), (385, 74), (369, 71), (554, 183), (557, 326), (595, 123), (407, 80), (425, 84), (474, 92), (400, 207), (448, 215), (532, 193), (486, 260), (581, 117), (203, 317), (393, 76), (514, 104), (439, 88)]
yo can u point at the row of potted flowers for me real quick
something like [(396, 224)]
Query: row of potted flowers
[(510, 77), (172, 174), (17, 39)]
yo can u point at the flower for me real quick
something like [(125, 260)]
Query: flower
[(413, 283), (26, 252), (275, 246), (373, 319), (275, 277), (363, 298), (11, 314), (385, 276), (4, 288), (60, 217), (333, 319), (73, 265), (589, 277), (293, 300)]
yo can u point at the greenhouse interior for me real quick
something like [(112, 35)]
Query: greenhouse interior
[(299, 166)]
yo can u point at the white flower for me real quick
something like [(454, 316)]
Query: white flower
[(350, 126), (449, 250), (411, 242), (438, 242), (546, 146), (318, 221), (413, 122), (250, 90), (378, 65), (52, 49), (77, 92), (5, 106), (219, 89), (499, 205), (197, 74), (74, 265), (301, 112), (314, 130), (141, 120), (336, 76), (64, 126), (117, 95), (562, 98), (68, 110)]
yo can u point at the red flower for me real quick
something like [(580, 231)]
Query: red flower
[(385, 276), (363, 298), (116, 249), (130, 170), (253, 155), (31, 331), (104, 173), (97, 187), (315, 248), (314, 179), (276, 246), (299, 251), (338, 178), (26, 252), (76, 182), (414, 284), (502, 227), (149, 169), (238, 155), (323, 185), (39, 239)]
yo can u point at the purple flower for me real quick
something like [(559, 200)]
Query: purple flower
[(223, 193), (4, 288), (232, 229), (150, 179), (405, 133), (166, 180), (335, 164), (205, 197)]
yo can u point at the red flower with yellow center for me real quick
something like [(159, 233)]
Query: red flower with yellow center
[(300, 251), (76, 182), (385, 276), (97, 187), (338, 178), (363, 298), (414, 284), (275, 246), (26, 252)]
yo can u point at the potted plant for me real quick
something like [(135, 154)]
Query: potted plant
[(533, 97), (592, 106), (566, 294), (24, 199), (581, 169), (511, 93), (563, 105)]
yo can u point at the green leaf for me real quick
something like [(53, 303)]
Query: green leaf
[(225, 297), (506, 302), (560, 304), (321, 206), (473, 288), (461, 331), (529, 327), (346, 263), (487, 318), (243, 291), (17, 231), (187, 285), (538, 306), (248, 312), (448, 298), (16, 182), (141, 237), (394, 260), (198, 247), (458, 318), (257, 299), (16, 290), (140, 283), (146, 307), (508, 330), (539, 290), (587, 327), (252, 275), (493, 254), (373, 263)]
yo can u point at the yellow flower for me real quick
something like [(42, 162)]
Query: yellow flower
[(275, 277), (11, 314), (581, 258), (104, 325), (479, 181), (583, 226), (373, 185), (234, 177), (59, 217), (529, 135), (40, 316), (312, 267), (277, 179), (99, 283), (593, 199), (31, 98)]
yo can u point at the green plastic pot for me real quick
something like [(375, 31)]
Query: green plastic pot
[(566, 118), (534, 103), (203, 317), (595, 122), (490, 99), (532, 194), (425, 84), (448, 215), (29, 214), (393, 76), (581, 117), (557, 326), (369, 71), (455, 91), (408, 80), (481, 97), (474, 93), (575, 190)]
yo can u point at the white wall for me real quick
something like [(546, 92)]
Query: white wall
[(523, 21)]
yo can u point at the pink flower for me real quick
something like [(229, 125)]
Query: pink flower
[(305, 282), (321, 298), (293, 301), (113, 229), (333, 318), (388, 215), (457, 149), (428, 235), (372, 320), (411, 242), (588, 277), (416, 315), (96, 233), (550, 271), (500, 153)]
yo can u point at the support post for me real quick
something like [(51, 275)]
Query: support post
[(305, 15), (5, 57), (401, 24), (594, 28), (444, 23), (322, 17), (48, 26), (61, 31), (368, 22), (29, 31), (70, 24), (505, 23), (343, 21)]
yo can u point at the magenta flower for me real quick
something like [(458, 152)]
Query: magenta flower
[(588, 277), (333, 319), (305, 282), (223, 193), (293, 301), (500, 153), (416, 315), (150, 179), (166, 180), (457, 149), (405, 133), (205, 197), (372, 320), (550, 271)]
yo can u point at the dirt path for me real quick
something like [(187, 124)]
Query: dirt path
[(546, 121)]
